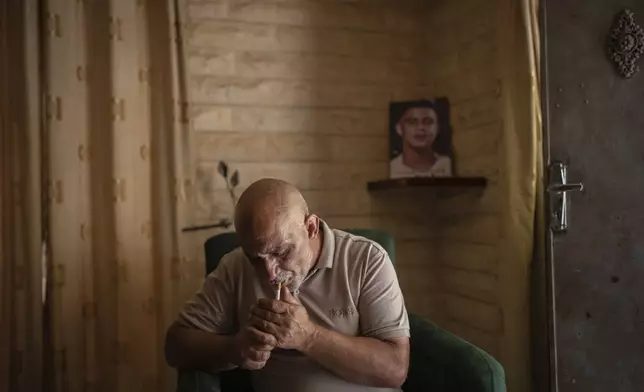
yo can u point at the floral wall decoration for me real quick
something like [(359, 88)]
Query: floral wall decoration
[(232, 181)]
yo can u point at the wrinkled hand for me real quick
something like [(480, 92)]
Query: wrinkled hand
[(286, 320), (252, 348)]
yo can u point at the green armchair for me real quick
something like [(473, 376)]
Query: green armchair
[(439, 361)]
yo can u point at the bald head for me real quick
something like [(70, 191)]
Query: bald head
[(276, 230), (266, 205)]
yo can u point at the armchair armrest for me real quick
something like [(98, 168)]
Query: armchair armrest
[(442, 362), (197, 381), (236, 380)]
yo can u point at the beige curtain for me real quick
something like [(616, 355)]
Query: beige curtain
[(115, 169), (520, 70), (20, 229)]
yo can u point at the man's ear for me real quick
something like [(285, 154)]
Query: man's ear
[(312, 223), (399, 130)]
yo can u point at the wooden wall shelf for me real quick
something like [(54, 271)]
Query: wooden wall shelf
[(427, 182)]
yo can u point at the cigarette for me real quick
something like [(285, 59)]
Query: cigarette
[(279, 291)]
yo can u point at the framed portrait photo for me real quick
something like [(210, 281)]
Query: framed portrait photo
[(420, 139)]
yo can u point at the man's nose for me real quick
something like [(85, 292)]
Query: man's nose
[(270, 265)]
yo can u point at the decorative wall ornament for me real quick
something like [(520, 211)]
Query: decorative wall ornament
[(625, 43), (232, 181)]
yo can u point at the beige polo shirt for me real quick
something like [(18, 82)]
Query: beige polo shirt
[(353, 289)]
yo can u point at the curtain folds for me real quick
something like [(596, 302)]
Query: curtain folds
[(520, 70), (115, 171), (20, 227)]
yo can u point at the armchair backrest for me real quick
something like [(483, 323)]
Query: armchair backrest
[(219, 245)]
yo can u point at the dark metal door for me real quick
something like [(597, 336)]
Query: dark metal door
[(595, 118)]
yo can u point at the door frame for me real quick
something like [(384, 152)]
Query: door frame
[(544, 363)]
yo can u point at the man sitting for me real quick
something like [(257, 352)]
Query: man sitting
[(340, 323)]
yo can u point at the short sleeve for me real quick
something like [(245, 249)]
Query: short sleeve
[(212, 308), (381, 304)]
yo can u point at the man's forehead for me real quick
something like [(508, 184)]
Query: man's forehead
[(267, 231), (266, 243)]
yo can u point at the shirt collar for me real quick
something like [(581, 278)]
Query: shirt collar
[(328, 247)]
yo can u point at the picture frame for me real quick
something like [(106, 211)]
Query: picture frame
[(420, 139)]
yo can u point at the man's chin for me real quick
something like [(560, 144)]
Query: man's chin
[(293, 283)]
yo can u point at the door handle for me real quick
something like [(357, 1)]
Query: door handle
[(566, 188), (558, 188)]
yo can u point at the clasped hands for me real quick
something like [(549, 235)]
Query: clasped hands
[(272, 323)]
